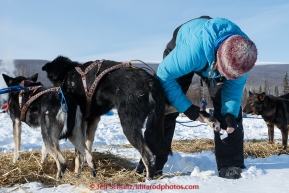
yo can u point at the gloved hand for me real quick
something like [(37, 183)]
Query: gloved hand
[(192, 112), (230, 120)]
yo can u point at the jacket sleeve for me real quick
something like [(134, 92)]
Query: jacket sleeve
[(183, 59), (232, 92)]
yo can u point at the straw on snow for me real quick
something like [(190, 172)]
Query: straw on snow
[(110, 169)]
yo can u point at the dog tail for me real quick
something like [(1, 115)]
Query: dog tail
[(154, 133), (71, 118)]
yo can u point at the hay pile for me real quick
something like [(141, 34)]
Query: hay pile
[(262, 149), (111, 169), (252, 148)]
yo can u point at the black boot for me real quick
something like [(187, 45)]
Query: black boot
[(231, 172)]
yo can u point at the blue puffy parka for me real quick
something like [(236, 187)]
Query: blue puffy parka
[(197, 42)]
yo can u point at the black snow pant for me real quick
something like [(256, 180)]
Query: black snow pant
[(228, 152)]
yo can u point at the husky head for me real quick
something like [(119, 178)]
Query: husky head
[(260, 104), (16, 81), (58, 68)]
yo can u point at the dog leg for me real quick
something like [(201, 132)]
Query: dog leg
[(79, 159), (90, 132), (44, 153), (50, 137), (79, 163), (284, 132), (270, 132), (133, 133), (52, 147), (89, 128), (17, 139), (77, 139), (149, 161), (148, 158)]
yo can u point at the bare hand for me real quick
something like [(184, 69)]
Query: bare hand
[(230, 130)]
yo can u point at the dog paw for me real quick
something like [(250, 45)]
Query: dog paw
[(210, 120)]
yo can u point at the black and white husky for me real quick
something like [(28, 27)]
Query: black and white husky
[(48, 112)]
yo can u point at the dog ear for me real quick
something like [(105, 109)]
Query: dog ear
[(33, 77), (44, 67), (8, 80), (262, 96)]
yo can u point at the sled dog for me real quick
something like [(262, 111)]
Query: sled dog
[(99, 86), (274, 111), (40, 106)]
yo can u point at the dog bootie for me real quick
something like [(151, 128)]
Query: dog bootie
[(231, 172)]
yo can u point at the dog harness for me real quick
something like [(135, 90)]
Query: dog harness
[(25, 107), (90, 91)]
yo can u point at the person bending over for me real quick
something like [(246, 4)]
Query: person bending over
[(219, 52)]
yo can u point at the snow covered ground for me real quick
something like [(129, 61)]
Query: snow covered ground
[(261, 175)]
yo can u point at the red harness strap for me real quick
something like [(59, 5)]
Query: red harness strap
[(25, 107), (33, 88), (90, 91), (89, 68)]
